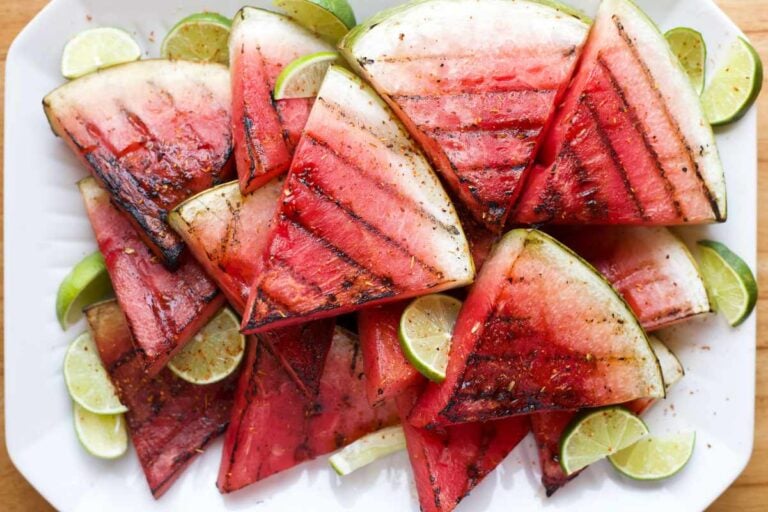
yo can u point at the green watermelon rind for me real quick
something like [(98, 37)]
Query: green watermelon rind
[(628, 315)]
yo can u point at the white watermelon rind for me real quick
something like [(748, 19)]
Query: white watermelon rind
[(672, 370)]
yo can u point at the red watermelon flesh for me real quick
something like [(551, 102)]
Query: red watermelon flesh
[(275, 426), (387, 372), (480, 99), (363, 219), (170, 421), (266, 131), (153, 133), (630, 144), (164, 308), (651, 269), (518, 348), (449, 462)]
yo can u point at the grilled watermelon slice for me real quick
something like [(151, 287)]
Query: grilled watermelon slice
[(519, 348), (387, 372), (170, 421), (630, 144), (651, 268), (153, 133), (449, 462), (275, 426), (227, 232), (480, 99), (262, 43), (548, 427), (363, 218), (164, 308)]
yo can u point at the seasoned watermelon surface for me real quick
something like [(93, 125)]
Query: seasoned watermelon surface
[(363, 218), (630, 144), (476, 82), (266, 131), (276, 426), (170, 421), (164, 308), (153, 133), (519, 348)]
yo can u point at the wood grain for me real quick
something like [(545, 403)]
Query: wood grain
[(748, 494)]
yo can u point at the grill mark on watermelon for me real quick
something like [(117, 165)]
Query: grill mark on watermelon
[(253, 147), (596, 207), (586, 101), (638, 126), (670, 119), (381, 185), (303, 177)]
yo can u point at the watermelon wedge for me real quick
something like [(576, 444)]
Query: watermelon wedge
[(227, 232), (170, 421), (275, 426), (387, 372), (363, 219), (476, 83), (548, 427), (262, 43), (630, 144), (164, 308), (651, 268), (519, 348), (449, 462), (153, 133)]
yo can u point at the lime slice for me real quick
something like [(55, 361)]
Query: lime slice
[(426, 328), (302, 77), (214, 353), (86, 284), (87, 381), (102, 435), (367, 449), (597, 435), (330, 19), (654, 458), (98, 48), (202, 37), (735, 86), (730, 282), (691, 51)]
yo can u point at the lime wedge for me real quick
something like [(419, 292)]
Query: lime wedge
[(654, 458), (597, 435), (730, 282), (98, 48), (368, 449), (735, 86), (691, 51), (102, 435), (202, 37), (87, 380), (86, 284), (329, 19), (302, 77), (426, 328), (214, 353)]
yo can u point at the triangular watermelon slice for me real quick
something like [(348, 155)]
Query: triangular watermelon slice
[(630, 144), (164, 308), (363, 218), (548, 427), (519, 348), (476, 82), (449, 462), (170, 421), (651, 268), (275, 426), (266, 131), (153, 133)]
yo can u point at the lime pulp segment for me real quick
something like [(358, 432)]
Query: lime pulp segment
[(202, 37), (689, 47), (734, 86), (87, 380), (98, 48), (654, 458), (102, 435), (729, 280), (368, 449), (303, 77)]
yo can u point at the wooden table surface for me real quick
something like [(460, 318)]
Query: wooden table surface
[(748, 494)]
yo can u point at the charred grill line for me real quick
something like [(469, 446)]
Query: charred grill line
[(254, 149), (516, 130), (637, 124), (596, 207)]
